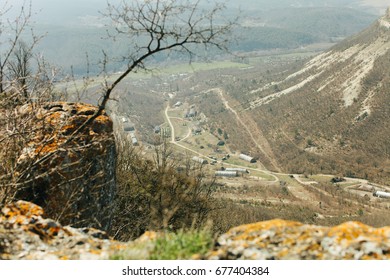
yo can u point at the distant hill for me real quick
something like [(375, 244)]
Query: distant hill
[(294, 27), (332, 116), (322, 22), (267, 5), (71, 33)]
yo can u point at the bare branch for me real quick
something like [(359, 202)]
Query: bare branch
[(151, 27)]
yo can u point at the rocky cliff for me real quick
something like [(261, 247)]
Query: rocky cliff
[(71, 175), (25, 234)]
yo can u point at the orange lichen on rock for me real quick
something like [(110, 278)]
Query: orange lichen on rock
[(21, 208), (279, 239), (272, 224), (60, 119), (57, 162), (25, 234), (48, 147), (352, 231), (39, 238)]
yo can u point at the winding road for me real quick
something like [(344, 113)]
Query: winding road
[(298, 191), (174, 142)]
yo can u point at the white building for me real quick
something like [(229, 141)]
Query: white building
[(381, 194), (247, 158), (240, 170), (200, 160), (226, 173)]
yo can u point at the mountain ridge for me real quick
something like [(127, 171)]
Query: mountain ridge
[(333, 109)]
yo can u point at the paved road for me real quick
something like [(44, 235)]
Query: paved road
[(171, 125), (271, 173), (174, 142)]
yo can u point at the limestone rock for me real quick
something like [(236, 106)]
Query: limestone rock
[(25, 234), (282, 240), (71, 176)]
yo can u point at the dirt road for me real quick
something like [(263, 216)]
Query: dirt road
[(174, 142), (251, 128)]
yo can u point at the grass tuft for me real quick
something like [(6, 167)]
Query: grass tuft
[(182, 245)]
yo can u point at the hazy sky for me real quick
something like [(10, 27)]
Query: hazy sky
[(57, 11), (65, 11)]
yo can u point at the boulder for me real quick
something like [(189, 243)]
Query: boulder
[(25, 234), (284, 240), (71, 175)]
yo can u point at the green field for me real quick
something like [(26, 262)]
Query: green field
[(189, 68), (196, 66)]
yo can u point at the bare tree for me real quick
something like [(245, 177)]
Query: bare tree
[(14, 27), (20, 67), (149, 28), (23, 75), (153, 27), (24, 78)]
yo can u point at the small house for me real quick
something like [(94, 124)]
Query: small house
[(196, 130), (157, 129), (128, 127), (192, 113)]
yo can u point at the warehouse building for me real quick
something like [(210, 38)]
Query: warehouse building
[(247, 158), (226, 173), (200, 160)]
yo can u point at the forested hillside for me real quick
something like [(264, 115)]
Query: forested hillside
[(332, 115)]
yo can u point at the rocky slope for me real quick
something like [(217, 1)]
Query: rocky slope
[(25, 234), (332, 115)]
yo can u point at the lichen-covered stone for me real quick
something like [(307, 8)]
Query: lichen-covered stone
[(72, 176), (25, 234), (283, 240)]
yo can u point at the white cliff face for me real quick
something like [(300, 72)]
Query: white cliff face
[(349, 67), (385, 21), (364, 61)]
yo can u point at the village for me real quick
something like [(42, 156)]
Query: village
[(185, 127)]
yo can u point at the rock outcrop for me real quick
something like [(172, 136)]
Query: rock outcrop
[(71, 175), (284, 240), (25, 234)]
